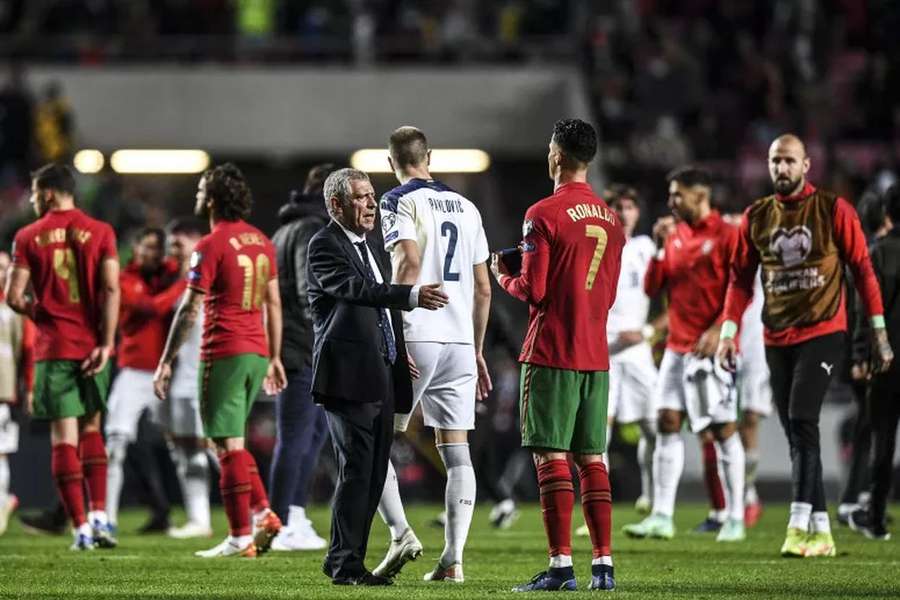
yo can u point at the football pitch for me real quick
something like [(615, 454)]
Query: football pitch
[(690, 566)]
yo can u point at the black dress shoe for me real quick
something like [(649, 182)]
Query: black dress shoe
[(158, 523), (366, 578)]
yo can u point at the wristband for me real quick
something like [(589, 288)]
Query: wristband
[(878, 322), (728, 331)]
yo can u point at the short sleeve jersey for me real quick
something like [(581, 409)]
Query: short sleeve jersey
[(64, 251), (572, 250), (629, 313), (233, 266), (448, 230)]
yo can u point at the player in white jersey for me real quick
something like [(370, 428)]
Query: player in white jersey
[(632, 372), (181, 414), (436, 234), (754, 398)]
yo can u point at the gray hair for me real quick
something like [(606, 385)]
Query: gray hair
[(337, 185)]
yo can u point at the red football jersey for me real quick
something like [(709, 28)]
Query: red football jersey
[(694, 272), (144, 315), (233, 265), (64, 251), (572, 252)]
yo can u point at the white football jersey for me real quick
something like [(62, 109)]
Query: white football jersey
[(447, 227), (629, 312)]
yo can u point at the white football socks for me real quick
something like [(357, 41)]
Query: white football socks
[(390, 507), (4, 479), (192, 468), (645, 449), (800, 514), (820, 522), (560, 561), (730, 455), (116, 447), (668, 463), (459, 500)]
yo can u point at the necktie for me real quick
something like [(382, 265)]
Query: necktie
[(390, 346)]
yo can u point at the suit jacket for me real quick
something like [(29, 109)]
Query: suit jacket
[(348, 363)]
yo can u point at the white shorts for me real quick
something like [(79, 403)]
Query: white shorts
[(131, 394), (446, 387), (632, 377), (180, 416), (9, 431), (705, 397), (754, 388)]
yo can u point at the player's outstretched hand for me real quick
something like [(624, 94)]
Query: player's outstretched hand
[(96, 360), (484, 385), (708, 342), (431, 297), (726, 354), (883, 353), (161, 380), (498, 268), (275, 380), (663, 227)]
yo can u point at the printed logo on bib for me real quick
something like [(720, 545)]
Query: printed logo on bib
[(792, 245)]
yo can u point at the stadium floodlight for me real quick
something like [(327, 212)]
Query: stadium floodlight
[(88, 161), (159, 161), (459, 160)]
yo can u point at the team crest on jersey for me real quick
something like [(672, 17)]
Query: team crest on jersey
[(388, 220), (527, 226), (707, 247), (792, 245)]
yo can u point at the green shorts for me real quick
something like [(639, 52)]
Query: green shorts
[(563, 410), (61, 390), (228, 387)]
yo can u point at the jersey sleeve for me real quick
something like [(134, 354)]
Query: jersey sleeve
[(107, 247), (398, 220), (20, 250), (744, 263), (531, 283), (203, 266), (852, 243), (482, 252)]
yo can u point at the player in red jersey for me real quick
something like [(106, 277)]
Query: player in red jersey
[(70, 261), (802, 238), (571, 256), (233, 274), (150, 287), (691, 265)]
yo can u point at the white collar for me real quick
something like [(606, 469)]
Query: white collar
[(354, 238)]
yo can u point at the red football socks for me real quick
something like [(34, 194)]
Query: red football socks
[(711, 477), (93, 465), (596, 503), (557, 500), (234, 484), (258, 498), (66, 470)]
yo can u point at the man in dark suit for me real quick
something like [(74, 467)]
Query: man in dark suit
[(361, 373)]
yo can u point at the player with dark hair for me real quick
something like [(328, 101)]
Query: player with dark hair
[(70, 261), (571, 255), (691, 265), (150, 286), (884, 394), (181, 410), (802, 237), (233, 273)]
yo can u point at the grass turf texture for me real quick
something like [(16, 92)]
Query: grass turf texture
[(690, 566)]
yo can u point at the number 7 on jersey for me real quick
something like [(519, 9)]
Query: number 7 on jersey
[(595, 231)]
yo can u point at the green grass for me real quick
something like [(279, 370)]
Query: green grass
[(690, 566)]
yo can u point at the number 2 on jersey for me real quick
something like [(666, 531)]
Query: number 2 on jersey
[(449, 228), (595, 231), (254, 291), (64, 266)]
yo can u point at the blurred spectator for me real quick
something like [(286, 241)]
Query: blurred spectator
[(54, 125), (15, 127)]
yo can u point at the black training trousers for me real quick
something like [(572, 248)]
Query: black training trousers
[(800, 375)]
